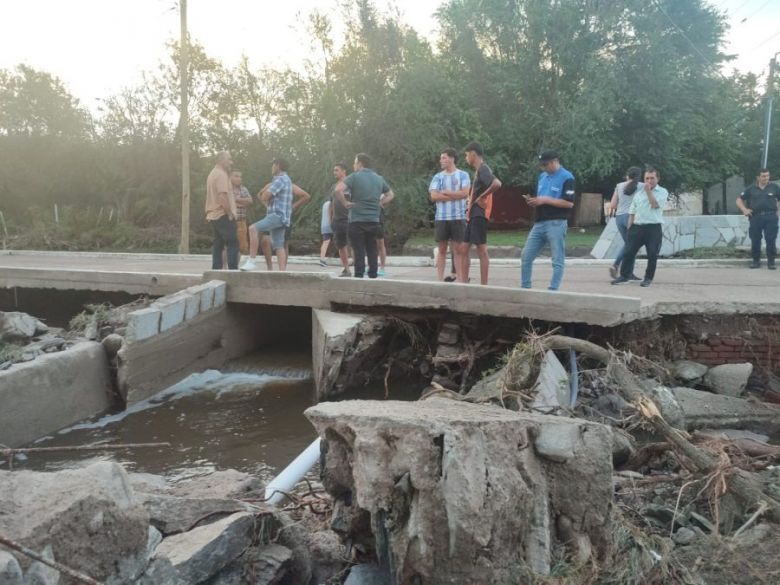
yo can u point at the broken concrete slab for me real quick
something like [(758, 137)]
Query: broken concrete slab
[(53, 391), (343, 345), (552, 386), (691, 409), (728, 379), (558, 443), (143, 324), (87, 515), (203, 552), (456, 491), (171, 515)]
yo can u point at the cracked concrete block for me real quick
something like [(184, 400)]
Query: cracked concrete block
[(728, 379), (171, 309), (205, 293), (220, 292), (192, 306), (143, 324), (456, 492)]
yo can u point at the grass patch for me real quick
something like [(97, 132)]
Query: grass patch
[(715, 252), (575, 238), (99, 314)]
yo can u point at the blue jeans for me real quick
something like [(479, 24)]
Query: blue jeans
[(274, 225), (552, 232), (622, 225)]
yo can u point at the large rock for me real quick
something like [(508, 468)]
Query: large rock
[(19, 327), (452, 492), (223, 484), (728, 379), (88, 516), (688, 372), (171, 515), (203, 552)]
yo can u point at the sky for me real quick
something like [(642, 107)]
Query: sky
[(97, 47)]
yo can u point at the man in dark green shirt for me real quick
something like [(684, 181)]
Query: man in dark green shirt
[(366, 188)]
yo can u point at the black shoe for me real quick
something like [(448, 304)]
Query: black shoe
[(646, 282), (620, 280), (771, 266), (450, 279), (755, 264), (634, 277)]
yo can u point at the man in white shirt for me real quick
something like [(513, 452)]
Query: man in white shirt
[(645, 228)]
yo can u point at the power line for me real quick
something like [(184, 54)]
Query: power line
[(762, 43), (752, 14), (682, 32)]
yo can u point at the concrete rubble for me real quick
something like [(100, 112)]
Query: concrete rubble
[(445, 491), (97, 521), (728, 379)]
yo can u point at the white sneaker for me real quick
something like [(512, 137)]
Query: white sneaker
[(249, 265)]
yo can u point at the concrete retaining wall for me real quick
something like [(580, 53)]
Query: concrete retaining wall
[(52, 392), (683, 233), (332, 334), (194, 330)]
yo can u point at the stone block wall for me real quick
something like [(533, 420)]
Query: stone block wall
[(683, 233), (172, 310)]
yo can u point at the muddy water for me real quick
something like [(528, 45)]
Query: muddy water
[(248, 417)]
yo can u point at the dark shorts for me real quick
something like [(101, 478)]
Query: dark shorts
[(449, 229), (380, 231), (340, 233), (327, 237), (476, 231)]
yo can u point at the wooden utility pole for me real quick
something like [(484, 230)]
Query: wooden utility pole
[(770, 96), (184, 130)]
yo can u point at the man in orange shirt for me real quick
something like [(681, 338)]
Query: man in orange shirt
[(480, 205), (221, 213)]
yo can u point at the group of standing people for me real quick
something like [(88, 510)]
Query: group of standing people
[(464, 207), (227, 201)]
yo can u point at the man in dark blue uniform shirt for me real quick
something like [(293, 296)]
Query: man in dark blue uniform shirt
[(759, 204)]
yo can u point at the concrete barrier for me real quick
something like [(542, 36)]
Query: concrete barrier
[(683, 233), (52, 392)]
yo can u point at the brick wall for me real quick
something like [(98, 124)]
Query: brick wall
[(729, 350)]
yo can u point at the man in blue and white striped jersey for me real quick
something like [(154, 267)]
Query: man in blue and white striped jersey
[(449, 190)]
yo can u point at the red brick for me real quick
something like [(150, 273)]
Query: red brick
[(698, 347), (736, 342)]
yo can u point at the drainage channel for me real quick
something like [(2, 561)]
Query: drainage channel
[(249, 417)]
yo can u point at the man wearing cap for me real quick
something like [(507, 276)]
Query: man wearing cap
[(759, 204), (554, 198)]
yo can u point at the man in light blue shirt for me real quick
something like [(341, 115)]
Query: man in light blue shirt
[(278, 199), (449, 190), (645, 228)]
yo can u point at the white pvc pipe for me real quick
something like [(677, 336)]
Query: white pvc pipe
[(292, 474)]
